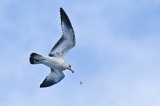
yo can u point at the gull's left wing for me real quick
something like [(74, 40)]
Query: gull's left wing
[(67, 41), (53, 78)]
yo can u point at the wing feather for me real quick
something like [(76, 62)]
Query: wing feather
[(67, 41), (53, 78)]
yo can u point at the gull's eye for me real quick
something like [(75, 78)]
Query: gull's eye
[(69, 65)]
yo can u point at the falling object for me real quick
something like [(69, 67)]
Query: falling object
[(81, 82)]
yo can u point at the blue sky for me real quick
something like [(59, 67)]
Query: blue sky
[(116, 55)]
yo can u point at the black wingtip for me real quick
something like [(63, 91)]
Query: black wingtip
[(41, 86), (44, 85), (65, 18), (62, 11), (61, 8)]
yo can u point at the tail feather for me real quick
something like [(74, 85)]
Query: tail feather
[(35, 58)]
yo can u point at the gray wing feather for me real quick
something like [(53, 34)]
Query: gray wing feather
[(53, 78), (67, 41)]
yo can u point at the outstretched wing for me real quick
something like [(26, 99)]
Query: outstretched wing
[(67, 41), (54, 77)]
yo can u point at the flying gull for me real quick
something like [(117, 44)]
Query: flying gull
[(55, 59)]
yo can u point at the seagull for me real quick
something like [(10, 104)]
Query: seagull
[(55, 59)]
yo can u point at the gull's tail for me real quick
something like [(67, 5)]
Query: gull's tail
[(35, 58)]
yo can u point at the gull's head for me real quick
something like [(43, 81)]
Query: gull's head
[(69, 68)]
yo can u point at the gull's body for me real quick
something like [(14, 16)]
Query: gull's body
[(55, 60)]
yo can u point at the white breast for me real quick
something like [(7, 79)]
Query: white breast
[(54, 63)]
